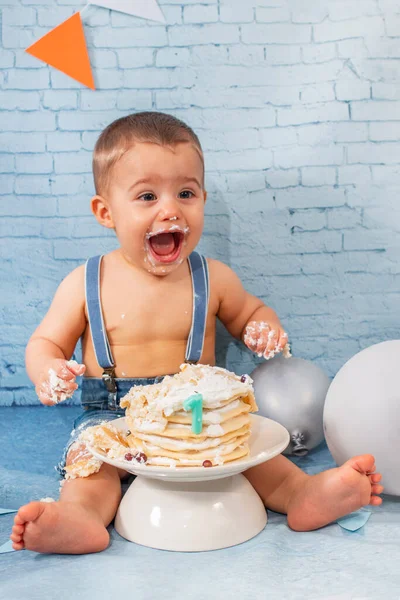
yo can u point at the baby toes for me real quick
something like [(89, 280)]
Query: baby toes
[(375, 501), (364, 464), (16, 536), (18, 546), (377, 489), (375, 477)]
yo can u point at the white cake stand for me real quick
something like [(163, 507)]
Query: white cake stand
[(196, 508)]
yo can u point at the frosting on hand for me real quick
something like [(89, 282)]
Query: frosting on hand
[(266, 341)]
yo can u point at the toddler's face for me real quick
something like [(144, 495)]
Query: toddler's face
[(156, 200)]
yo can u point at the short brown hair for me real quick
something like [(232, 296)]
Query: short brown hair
[(118, 137)]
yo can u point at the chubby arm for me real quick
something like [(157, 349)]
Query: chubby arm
[(53, 342), (245, 316)]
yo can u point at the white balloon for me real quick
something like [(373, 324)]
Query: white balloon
[(292, 392), (362, 411)]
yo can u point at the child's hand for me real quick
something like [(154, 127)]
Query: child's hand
[(57, 382), (266, 340)]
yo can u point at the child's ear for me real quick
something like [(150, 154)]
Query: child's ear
[(102, 211)]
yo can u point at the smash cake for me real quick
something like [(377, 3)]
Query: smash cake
[(198, 417)]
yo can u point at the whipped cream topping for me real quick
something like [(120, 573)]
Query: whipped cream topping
[(150, 405), (214, 417)]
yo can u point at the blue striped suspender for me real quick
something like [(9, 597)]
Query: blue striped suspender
[(98, 332), (200, 285)]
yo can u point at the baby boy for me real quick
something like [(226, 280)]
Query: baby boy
[(141, 311)]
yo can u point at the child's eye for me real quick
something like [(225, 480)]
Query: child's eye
[(148, 197), (186, 194)]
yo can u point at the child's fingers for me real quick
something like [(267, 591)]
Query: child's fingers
[(261, 332), (64, 372), (44, 394), (60, 371), (49, 396), (75, 368), (60, 383), (44, 397), (250, 342), (270, 344), (250, 337), (67, 387), (66, 369), (282, 341), (262, 342)]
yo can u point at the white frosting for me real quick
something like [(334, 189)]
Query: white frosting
[(214, 430), (155, 402), (286, 351), (72, 363), (255, 333), (171, 229), (215, 416), (58, 388)]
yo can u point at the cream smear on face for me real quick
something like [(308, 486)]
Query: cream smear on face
[(149, 258), (184, 230)]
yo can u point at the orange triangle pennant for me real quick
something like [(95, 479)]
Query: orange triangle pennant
[(64, 48)]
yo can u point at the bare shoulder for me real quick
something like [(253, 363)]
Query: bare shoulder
[(74, 282), (70, 295), (222, 278)]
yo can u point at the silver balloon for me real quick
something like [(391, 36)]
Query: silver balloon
[(292, 392), (361, 414)]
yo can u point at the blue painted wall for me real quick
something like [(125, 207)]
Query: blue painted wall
[(297, 106)]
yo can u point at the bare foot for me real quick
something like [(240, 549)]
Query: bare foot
[(323, 498), (58, 527)]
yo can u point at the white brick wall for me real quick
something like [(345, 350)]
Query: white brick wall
[(297, 105)]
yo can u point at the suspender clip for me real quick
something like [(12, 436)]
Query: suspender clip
[(109, 379)]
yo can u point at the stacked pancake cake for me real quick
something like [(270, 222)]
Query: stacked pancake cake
[(161, 429)]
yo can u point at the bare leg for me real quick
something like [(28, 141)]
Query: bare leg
[(312, 501), (76, 524)]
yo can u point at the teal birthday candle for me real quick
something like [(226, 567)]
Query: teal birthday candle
[(195, 404)]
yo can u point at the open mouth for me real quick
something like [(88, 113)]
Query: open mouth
[(165, 247)]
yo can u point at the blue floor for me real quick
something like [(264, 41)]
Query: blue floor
[(326, 564)]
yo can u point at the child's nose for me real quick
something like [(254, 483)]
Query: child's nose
[(169, 208)]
